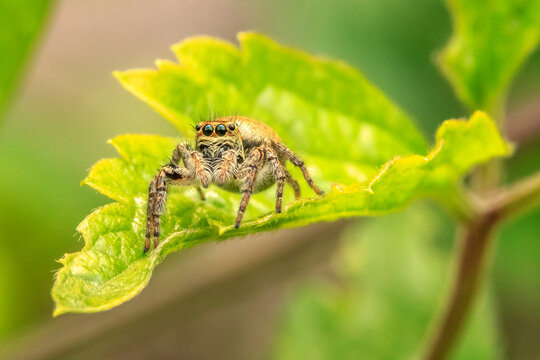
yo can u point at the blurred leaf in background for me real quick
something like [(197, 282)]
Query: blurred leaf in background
[(20, 25), (390, 276), (37, 220), (488, 45)]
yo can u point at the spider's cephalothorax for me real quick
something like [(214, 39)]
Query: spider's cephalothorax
[(236, 153)]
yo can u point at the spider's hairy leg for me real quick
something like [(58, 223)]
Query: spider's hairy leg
[(227, 167), (201, 194), (157, 198), (279, 174), (194, 161), (294, 184), (180, 152), (297, 161), (248, 175)]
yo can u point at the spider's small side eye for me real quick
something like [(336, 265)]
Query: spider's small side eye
[(221, 130), (198, 127), (232, 127), (208, 130)]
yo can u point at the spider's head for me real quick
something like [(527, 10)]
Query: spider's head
[(214, 137)]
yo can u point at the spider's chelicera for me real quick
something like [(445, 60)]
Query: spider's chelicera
[(236, 153)]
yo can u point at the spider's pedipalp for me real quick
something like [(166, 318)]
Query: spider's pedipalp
[(227, 167), (194, 161), (198, 165)]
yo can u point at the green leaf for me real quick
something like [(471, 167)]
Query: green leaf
[(20, 22), (489, 43), (327, 131), (275, 84)]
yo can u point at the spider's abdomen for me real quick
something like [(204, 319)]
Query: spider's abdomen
[(254, 132)]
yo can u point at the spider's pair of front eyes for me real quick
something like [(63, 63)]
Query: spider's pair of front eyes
[(208, 129)]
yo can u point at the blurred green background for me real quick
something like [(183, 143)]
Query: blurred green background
[(66, 105)]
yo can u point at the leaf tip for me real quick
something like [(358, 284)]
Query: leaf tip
[(118, 75), (478, 113), (241, 35), (245, 36), (484, 119), (175, 48), (179, 46), (58, 310), (189, 44), (62, 260), (223, 229), (163, 64)]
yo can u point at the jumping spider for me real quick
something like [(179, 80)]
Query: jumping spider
[(238, 154)]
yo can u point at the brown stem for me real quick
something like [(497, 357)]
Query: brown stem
[(474, 242), (474, 246)]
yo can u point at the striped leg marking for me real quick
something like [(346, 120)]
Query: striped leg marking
[(293, 183), (279, 175), (248, 174), (296, 161), (157, 197)]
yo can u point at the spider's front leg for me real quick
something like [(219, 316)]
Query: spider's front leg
[(172, 174), (157, 198)]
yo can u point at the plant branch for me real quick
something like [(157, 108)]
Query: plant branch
[(473, 247), (517, 198), (474, 244)]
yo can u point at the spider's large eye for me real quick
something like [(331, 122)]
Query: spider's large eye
[(208, 130), (221, 130), (198, 127)]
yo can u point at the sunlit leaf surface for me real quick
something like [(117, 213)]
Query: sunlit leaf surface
[(361, 149)]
